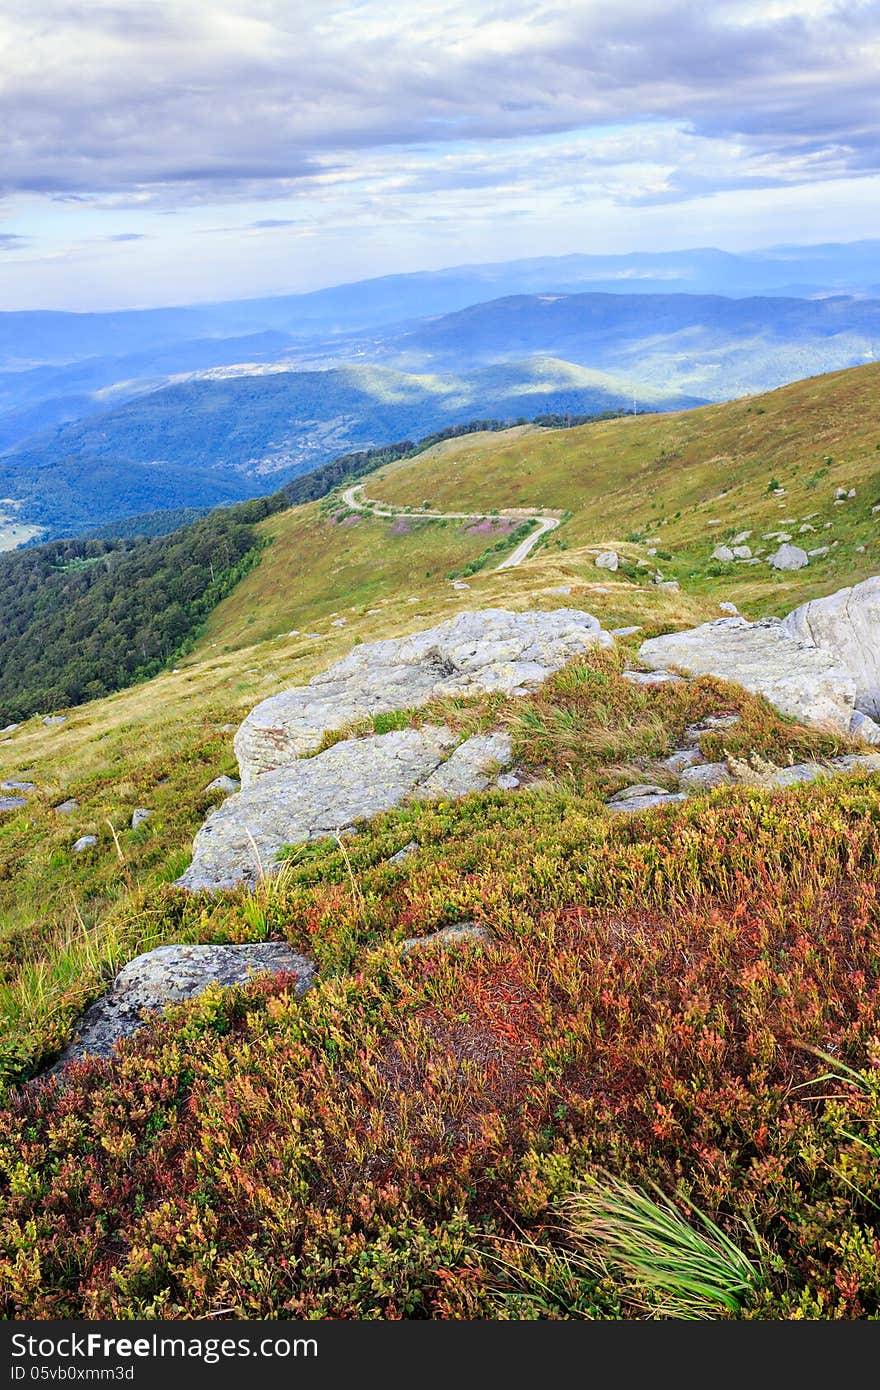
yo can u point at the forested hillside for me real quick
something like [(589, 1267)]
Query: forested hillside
[(82, 618)]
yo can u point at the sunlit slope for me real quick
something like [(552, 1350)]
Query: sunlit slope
[(686, 482)]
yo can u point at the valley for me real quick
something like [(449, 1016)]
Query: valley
[(564, 888)]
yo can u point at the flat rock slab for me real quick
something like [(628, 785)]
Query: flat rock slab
[(642, 797), (459, 934), (11, 803), (710, 775), (169, 975), (801, 680), (471, 654), (326, 794), (847, 626)]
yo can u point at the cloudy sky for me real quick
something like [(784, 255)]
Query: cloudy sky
[(159, 151)]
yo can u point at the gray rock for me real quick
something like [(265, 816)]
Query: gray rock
[(84, 842), (169, 975), (728, 607), (789, 557), (67, 808), (469, 768), (847, 626), (722, 553), (705, 777), (625, 631), (742, 552), (459, 934), (834, 767), (10, 729), (641, 797), (139, 815), (316, 797), (52, 719), (682, 758), (650, 677), (13, 786), (607, 560), (801, 680), (694, 732), (225, 784), (864, 727), (403, 854), (472, 654), (507, 782), (819, 551), (11, 803), (668, 586)]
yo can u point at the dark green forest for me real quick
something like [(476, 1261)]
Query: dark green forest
[(81, 618)]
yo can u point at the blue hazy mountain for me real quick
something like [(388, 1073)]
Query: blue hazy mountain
[(204, 442)]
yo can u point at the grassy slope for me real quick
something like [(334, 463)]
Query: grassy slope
[(669, 477), (66, 921)]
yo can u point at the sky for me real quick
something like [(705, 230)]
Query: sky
[(170, 151)]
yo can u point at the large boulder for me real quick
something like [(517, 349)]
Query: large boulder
[(329, 793), (847, 625), (169, 975), (471, 654), (801, 680)]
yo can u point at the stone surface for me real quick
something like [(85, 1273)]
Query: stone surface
[(11, 803), (847, 625), (641, 797), (169, 975), (403, 854), (224, 784), (459, 934), (650, 677), (472, 654), (682, 758), (625, 631), (508, 782), (607, 560), (864, 727), (139, 815), (67, 808), (789, 557), (10, 729), (722, 553), (52, 719), (84, 842), (727, 607), (704, 777), (469, 767), (320, 796), (12, 785), (800, 680)]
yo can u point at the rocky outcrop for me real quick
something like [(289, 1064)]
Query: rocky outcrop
[(789, 557), (804, 681), (472, 654), (329, 793), (847, 625), (642, 797), (169, 975), (458, 934)]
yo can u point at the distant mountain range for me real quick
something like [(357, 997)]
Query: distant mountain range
[(205, 442), (102, 415), (709, 346)]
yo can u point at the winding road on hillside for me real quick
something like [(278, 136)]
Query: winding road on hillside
[(547, 521)]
